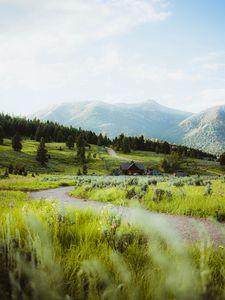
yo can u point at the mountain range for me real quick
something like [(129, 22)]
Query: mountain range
[(204, 130)]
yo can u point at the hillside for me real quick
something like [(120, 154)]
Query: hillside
[(99, 162), (205, 130), (148, 118)]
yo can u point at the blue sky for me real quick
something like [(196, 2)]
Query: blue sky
[(172, 51)]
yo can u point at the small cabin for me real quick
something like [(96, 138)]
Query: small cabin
[(132, 168)]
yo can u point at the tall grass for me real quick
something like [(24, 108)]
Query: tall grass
[(50, 252), (34, 184), (193, 196)]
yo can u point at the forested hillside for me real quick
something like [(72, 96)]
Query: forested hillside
[(54, 132)]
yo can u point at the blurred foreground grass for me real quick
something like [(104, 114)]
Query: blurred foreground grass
[(51, 252)]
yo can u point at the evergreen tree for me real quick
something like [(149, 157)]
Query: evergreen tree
[(126, 145), (10, 169), (166, 148), (80, 148), (79, 172), (16, 142), (70, 142), (38, 134), (222, 159), (59, 136), (85, 170), (1, 136), (100, 140), (42, 153)]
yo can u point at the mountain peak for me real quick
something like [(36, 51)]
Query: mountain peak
[(204, 130)]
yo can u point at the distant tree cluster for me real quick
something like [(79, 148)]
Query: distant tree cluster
[(1, 135), (18, 128), (222, 159), (123, 143), (35, 130)]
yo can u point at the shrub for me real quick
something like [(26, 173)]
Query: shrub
[(208, 190), (161, 194), (132, 181), (178, 183), (144, 187), (220, 216), (152, 182), (131, 193)]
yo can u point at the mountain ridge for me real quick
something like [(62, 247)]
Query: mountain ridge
[(204, 130)]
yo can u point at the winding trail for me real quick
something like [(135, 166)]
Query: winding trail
[(113, 154), (187, 228)]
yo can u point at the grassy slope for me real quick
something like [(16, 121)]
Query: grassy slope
[(64, 161), (60, 162), (192, 166)]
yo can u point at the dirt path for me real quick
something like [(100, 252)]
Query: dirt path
[(113, 153), (189, 229)]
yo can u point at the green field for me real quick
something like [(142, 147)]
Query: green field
[(52, 253), (62, 160), (191, 196), (192, 166)]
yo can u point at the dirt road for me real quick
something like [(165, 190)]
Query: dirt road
[(189, 229), (113, 153)]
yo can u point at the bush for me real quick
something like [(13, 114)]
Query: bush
[(132, 181), (131, 193), (208, 190), (178, 183), (161, 194)]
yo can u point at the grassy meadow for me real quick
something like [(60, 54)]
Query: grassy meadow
[(62, 160), (191, 166), (99, 162), (192, 196), (49, 252)]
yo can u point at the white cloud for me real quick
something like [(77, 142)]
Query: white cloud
[(214, 96), (212, 61), (209, 57), (41, 40)]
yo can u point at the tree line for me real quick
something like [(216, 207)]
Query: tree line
[(17, 128), (126, 144)]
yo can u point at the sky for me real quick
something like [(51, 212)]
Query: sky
[(55, 51)]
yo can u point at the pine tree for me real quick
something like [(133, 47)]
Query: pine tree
[(79, 172), (1, 136), (60, 137), (85, 170), (126, 145), (10, 169), (70, 142), (38, 134), (16, 142), (81, 149), (42, 153), (100, 140), (222, 159)]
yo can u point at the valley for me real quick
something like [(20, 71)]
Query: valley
[(74, 226)]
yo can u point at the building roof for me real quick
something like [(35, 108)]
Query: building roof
[(126, 167)]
